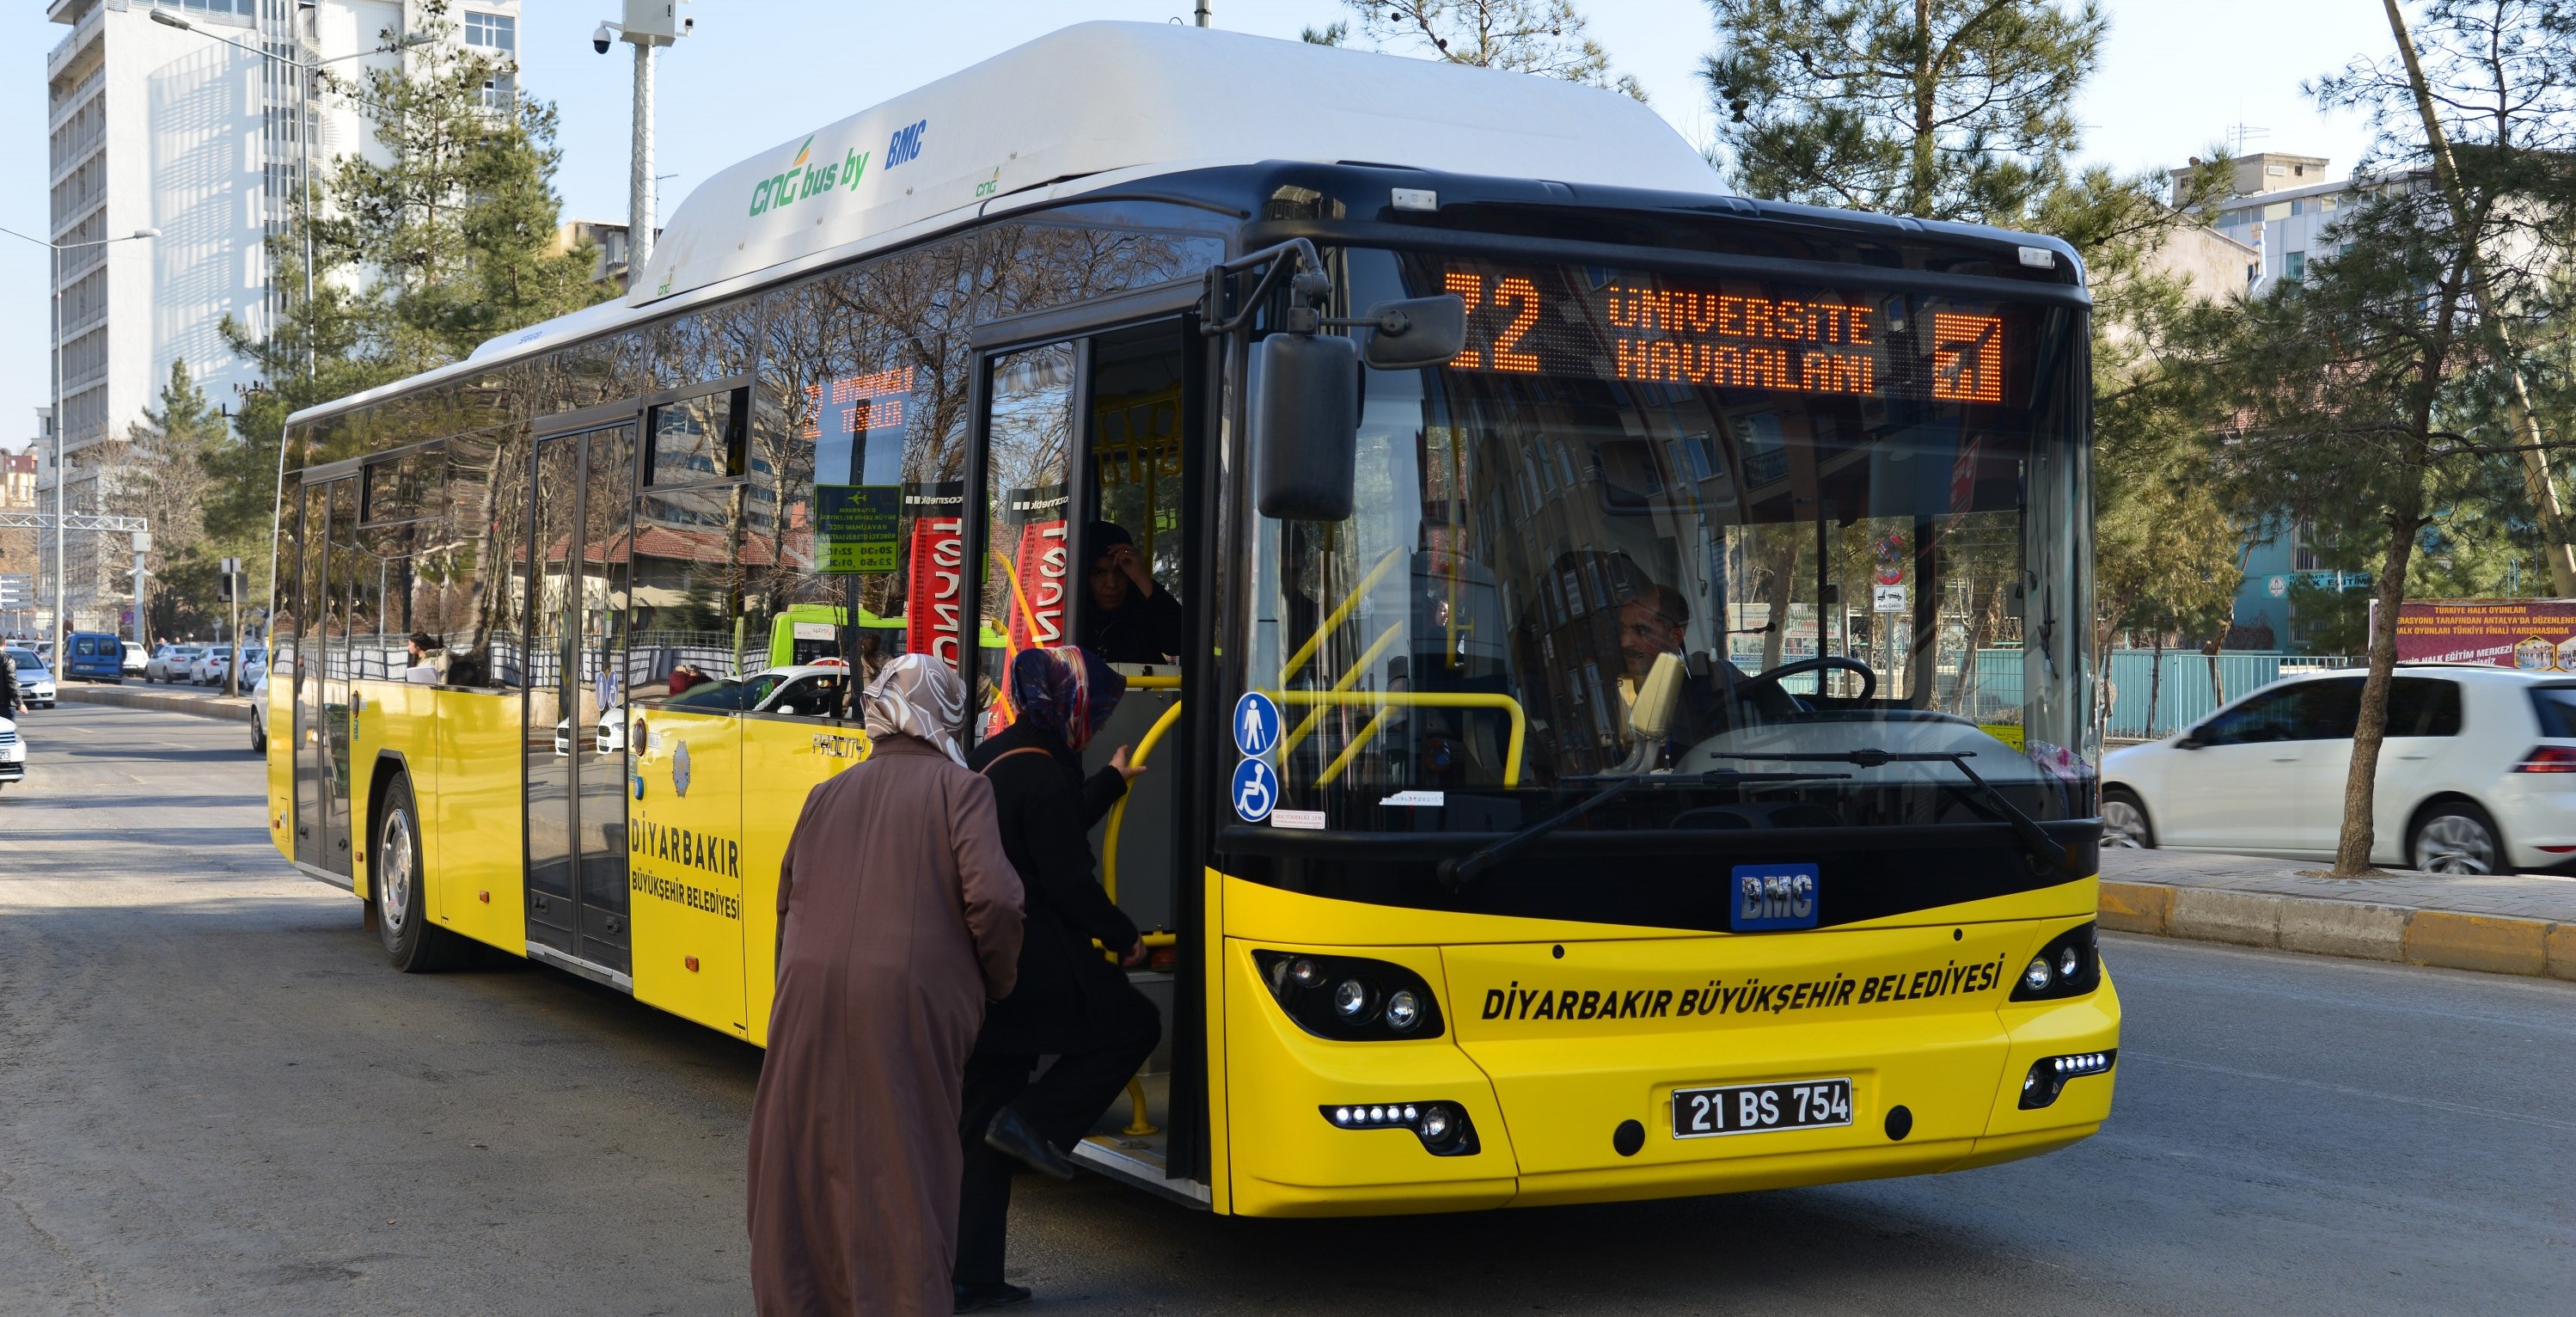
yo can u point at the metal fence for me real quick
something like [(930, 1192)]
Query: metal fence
[(2183, 694)]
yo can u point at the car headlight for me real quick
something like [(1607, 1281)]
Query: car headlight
[(2069, 966), (1350, 998)]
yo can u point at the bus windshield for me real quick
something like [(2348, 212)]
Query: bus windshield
[(1857, 520)]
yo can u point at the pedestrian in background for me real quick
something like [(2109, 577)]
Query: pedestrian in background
[(1072, 1001), (899, 918)]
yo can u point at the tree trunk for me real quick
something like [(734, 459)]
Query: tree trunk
[(2155, 683), (2217, 683), (1923, 174), (2360, 785), (1775, 596)]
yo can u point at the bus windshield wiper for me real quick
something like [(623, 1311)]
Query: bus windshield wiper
[(2034, 839), (1457, 872)]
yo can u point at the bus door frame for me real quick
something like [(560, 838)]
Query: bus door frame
[(322, 724), (1178, 301), (606, 925)]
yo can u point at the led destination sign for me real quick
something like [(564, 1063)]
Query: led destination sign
[(1738, 335)]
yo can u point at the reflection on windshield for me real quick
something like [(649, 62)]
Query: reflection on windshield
[(1893, 567)]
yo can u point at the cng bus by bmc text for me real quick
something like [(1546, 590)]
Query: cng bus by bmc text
[(1630, 735)]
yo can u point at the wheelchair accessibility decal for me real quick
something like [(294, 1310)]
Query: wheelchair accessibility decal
[(1255, 790)]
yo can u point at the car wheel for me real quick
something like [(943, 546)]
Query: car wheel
[(401, 899), (258, 739), (2457, 837), (2124, 822)]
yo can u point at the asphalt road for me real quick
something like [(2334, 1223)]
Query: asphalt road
[(216, 1098)]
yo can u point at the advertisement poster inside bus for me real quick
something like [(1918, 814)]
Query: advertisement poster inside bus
[(2536, 635), (935, 587)]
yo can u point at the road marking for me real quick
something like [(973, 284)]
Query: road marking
[(2127, 1054)]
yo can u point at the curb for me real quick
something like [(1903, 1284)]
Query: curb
[(202, 706), (2359, 930)]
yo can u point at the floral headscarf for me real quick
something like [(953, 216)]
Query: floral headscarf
[(1066, 690), (916, 695)]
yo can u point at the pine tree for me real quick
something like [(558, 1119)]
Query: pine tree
[(162, 476), (1940, 109), (1544, 37)]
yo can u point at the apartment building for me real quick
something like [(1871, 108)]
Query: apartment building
[(203, 133)]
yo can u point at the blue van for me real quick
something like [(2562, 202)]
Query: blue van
[(95, 656)]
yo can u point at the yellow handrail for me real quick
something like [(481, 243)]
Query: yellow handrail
[(1171, 683), (1288, 743), (1424, 700), (1340, 614), (1118, 812)]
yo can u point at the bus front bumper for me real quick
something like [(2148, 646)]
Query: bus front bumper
[(1582, 1111)]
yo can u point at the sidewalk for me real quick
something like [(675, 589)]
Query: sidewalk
[(204, 703), (2508, 924)]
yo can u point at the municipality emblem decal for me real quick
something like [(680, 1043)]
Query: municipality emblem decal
[(680, 767)]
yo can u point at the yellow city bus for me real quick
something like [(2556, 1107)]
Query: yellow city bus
[(1634, 736)]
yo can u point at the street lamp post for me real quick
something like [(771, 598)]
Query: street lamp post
[(61, 469), (649, 23)]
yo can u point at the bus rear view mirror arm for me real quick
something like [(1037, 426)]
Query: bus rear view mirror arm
[(1413, 333), (1305, 384)]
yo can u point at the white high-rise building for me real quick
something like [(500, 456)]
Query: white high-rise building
[(169, 128)]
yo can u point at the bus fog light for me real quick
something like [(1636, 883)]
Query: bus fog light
[(1304, 973), (1403, 1010), (1351, 999), (1341, 1115), (2048, 1075), (1442, 1127), (2037, 976), (2067, 962)]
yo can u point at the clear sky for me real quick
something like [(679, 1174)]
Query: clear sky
[(2177, 76)]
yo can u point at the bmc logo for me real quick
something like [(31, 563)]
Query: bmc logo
[(905, 144), (1773, 897)]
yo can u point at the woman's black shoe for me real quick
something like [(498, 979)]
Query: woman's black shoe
[(1012, 1137), (976, 1298)]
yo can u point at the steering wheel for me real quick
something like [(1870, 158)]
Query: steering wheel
[(1821, 663)]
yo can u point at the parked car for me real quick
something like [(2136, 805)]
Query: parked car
[(2477, 774), (35, 680), (136, 658), (96, 656), (810, 690), (209, 671), (171, 662), (13, 752), (259, 715)]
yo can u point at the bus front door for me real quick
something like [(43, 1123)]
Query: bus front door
[(575, 742)]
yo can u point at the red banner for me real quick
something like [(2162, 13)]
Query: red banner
[(1036, 605), (935, 587), (2536, 635)]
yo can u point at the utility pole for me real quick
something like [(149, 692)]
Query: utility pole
[(649, 23), (1202, 15), (2554, 545)]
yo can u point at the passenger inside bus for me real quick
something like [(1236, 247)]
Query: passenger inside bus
[(1132, 619)]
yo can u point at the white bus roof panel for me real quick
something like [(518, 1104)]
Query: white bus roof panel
[(1104, 96)]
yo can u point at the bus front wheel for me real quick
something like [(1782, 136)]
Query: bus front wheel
[(412, 943)]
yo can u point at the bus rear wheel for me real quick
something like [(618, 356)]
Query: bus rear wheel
[(412, 943)]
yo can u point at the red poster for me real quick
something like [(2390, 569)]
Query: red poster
[(935, 588), (2536, 635), (1038, 561)]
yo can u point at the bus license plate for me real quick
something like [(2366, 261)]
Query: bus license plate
[(1701, 1113)]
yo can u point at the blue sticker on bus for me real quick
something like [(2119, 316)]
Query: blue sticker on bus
[(1255, 790), (1772, 896), (1256, 724)]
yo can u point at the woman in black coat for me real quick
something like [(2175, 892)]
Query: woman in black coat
[(1072, 1002)]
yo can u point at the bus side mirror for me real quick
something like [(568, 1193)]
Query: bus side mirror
[(1305, 425), (1416, 332)]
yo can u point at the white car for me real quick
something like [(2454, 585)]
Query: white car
[(171, 662), (13, 753), (810, 690), (35, 680), (136, 658), (209, 669), (2477, 775)]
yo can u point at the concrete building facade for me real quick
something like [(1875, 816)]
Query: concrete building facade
[(155, 126)]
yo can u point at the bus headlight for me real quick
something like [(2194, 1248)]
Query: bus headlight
[(1350, 998), (1403, 1010), (2069, 966)]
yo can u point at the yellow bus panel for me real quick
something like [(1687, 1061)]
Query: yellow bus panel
[(476, 866), (782, 760), (685, 864)]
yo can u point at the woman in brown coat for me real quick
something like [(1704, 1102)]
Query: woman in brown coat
[(899, 918)]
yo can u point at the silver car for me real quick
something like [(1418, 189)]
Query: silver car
[(170, 663)]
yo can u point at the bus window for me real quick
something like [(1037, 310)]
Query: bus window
[(692, 562), (1030, 446), (1128, 605)]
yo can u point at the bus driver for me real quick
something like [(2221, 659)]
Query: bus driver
[(1131, 619)]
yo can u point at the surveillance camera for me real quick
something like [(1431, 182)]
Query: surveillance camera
[(599, 39)]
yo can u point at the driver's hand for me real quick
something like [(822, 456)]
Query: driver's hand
[(1127, 560)]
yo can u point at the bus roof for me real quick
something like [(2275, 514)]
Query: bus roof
[(1098, 107)]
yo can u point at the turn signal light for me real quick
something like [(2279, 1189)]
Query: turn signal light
[(691, 962), (1443, 1127), (2548, 759), (2048, 1075)]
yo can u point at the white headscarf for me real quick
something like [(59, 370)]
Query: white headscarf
[(916, 695)]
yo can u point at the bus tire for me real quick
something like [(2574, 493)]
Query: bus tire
[(412, 943)]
